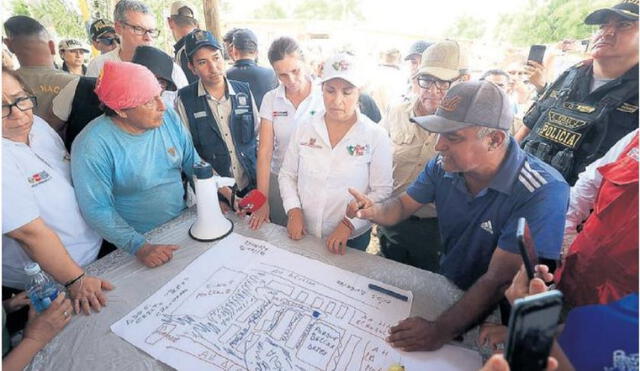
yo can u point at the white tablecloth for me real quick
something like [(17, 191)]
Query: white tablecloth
[(87, 343)]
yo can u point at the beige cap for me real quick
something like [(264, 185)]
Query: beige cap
[(72, 44), (442, 60), (177, 9)]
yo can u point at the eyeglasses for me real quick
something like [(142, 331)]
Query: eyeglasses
[(153, 32), (23, 104), (427, 82), (108, 40)]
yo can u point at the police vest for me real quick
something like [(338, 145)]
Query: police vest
[(206, 134), (568, 134)]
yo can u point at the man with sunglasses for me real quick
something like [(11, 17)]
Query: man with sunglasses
[(103, 36), (135, 24), (593, 104), (413, 148)]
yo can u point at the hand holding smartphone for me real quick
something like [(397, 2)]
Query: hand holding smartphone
[(536, 53), (527, 247), (532, 330)]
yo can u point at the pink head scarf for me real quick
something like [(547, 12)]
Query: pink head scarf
[(124, 85)]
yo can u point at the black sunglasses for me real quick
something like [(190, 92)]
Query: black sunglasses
[(108, 40)]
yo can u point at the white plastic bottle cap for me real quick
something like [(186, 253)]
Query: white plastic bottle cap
[(32, 268)]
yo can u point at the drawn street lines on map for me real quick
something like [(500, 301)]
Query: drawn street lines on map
[(247, 312)]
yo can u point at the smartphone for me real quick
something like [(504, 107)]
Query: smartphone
[(527, 247), (536, 53), (252, 201), (532, 329)]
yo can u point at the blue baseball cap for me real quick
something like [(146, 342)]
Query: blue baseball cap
[(196, 39)]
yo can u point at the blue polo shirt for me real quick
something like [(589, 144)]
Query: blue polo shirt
[(472, 226)]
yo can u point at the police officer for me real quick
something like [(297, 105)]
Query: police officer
[(592, 104), (72, 53), (221, 114), (103, 35)]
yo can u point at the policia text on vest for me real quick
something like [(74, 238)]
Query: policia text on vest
[(571, 126)]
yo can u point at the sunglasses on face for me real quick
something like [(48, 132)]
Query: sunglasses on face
[(108, 40)]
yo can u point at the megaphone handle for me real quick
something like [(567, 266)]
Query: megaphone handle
[(234, 189)]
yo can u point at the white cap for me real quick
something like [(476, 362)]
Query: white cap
[(341, 66), (72, 44), (32, 268), (177, 9)]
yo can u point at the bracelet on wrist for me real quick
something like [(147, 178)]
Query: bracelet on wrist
[(348, 223), (70, 283)]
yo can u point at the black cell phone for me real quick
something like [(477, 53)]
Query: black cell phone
[(532, 329), (536, 53), (527, 247), (585, 44)]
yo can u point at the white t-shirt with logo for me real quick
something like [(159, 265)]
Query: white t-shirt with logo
[(36, 182), (285, 117)]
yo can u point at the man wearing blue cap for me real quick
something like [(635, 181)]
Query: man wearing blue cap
[(481, 183), (593, 104), (220, 113)]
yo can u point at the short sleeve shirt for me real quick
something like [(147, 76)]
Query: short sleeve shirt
[(36, 183), (285, 117), (473, 226)]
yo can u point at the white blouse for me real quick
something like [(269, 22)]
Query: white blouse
[(316, 177)]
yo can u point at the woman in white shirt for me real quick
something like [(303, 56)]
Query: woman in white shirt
[(41, 220), (332, 152), (292, 102)]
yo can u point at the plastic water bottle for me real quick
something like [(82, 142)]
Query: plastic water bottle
[(41, 289)]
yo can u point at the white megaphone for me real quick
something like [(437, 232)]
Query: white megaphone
[(210, 224)]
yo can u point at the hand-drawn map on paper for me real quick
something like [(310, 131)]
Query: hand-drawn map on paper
[(247, 305)]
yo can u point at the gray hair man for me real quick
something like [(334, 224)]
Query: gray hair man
[(135, 25)]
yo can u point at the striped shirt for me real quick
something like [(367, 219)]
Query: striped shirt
[(472, 226)]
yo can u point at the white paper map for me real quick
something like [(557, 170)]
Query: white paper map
[(246, 305)]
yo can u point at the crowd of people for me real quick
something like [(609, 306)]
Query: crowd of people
[(441, 163)]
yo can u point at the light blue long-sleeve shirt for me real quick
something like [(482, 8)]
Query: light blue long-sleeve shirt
[(128, 184)]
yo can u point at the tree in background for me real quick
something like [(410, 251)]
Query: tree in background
[(54, 14), (270, 10), (548, 21), (467, 27), (340, 10)]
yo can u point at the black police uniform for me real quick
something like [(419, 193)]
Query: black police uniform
[(571, 127), (260, 79)]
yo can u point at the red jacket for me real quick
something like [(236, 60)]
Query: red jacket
[(602, 263)]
